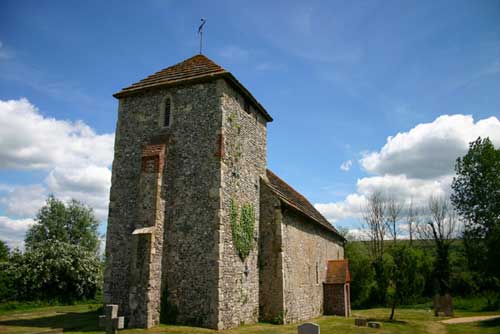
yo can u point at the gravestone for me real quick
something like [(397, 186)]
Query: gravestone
[(110, 320), (443, 304), (308, 328), (360, 322), (373, 324)]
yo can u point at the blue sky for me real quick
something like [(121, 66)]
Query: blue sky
[(366, 82)]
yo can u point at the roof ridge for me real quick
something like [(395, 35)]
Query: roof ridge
[(300, 202), (198, 68)]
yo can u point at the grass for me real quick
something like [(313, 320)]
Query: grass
[(83, 319)]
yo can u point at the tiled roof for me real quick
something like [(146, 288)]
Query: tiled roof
[(294, 199), (197, 68), (338, 272)]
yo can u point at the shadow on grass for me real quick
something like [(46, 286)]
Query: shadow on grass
[(490, 323), (83, 322), (386, 320)]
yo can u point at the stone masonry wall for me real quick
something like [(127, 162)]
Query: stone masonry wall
[(270, 257), (191, 178), (306, 249), (243, 163)]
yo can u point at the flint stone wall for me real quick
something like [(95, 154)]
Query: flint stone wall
[(306, 246), (189, 268), (270, 257), (243, 164)]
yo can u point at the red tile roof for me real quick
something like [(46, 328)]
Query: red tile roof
[(294, 199), (338, 272), (197, 68)]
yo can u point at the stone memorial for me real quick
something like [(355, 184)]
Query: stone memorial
[(443, 304), (373, 324), (360, 322), (110, 320), (308, 328)]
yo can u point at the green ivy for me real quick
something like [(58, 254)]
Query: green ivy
[(242, 228)]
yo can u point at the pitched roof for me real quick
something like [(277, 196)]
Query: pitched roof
[(338, 272), (294, 199), (196, 68)]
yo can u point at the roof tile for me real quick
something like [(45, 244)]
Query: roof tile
[(298, 201)]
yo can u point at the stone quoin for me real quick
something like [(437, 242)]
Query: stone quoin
[(200, 232)]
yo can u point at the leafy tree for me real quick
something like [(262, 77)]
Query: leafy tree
[(5, 280), (4, 251), (55, 270), (476, 197), (72, 223), (362, 273), (407, 282), (441, 226)]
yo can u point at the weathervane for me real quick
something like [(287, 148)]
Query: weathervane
[(200, 31)]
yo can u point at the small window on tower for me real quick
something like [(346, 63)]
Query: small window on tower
[(166, 112)]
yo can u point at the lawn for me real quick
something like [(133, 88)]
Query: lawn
[(83, 319)]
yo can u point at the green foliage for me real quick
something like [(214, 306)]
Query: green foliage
[(476, 190), (72, 223), (362, 274), (278, 320), (55, 270), (406, 281), (4, 251), (242, 228)]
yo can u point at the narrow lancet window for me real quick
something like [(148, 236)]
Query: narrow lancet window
[(166, 112)]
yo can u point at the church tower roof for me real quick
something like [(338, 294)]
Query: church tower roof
[(195, 69)]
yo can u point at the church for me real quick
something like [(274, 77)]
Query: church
[(200, 232)]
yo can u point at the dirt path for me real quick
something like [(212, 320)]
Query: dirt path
[(469, 319)]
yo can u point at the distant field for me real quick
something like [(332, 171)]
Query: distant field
[(83, 319)]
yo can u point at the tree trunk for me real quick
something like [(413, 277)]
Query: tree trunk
[(392, 311)]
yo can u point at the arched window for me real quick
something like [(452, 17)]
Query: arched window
[(166, 112)]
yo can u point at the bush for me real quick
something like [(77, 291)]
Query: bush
[(55, 270)]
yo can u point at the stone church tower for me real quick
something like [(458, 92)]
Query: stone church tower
[(190, 146)]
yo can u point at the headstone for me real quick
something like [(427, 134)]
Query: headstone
[(110, 320), (360, 322), (443, 304), (373, 324), (308, 328)]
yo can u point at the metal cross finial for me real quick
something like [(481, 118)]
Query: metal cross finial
[(200, 31)]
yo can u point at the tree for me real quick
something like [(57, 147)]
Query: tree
[(55, 270), (374, 220), (4, 251), (406, 280), (72, 223), (393, 214), (476, 197), (441, 226), (362, 273), (412, 220)]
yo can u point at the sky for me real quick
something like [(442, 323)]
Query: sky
[(366, 96)]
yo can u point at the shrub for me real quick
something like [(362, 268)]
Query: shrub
[(55, 270)]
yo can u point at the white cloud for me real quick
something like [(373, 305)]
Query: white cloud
[(416, 164), (24, 201), (75, 159), (13, 230), (429, 150), (346, 165), (29, 140)]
